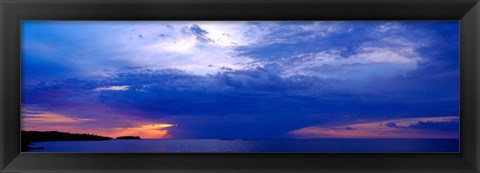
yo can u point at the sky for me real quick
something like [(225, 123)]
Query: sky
[(241, 79)]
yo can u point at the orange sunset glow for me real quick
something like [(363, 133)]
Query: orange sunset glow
[(49, 121), (150, 131)]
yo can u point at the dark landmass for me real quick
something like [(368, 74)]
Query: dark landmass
[(37, 136), (233, 139), (128, 137)]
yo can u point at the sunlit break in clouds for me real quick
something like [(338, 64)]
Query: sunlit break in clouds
[(242, 80)]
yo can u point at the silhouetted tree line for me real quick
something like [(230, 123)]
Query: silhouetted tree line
[(37, 136)]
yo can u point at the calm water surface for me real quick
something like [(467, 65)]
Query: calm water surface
[(217, 145)]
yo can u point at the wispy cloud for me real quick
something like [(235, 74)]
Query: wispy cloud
[(396, 128), (49, 117)]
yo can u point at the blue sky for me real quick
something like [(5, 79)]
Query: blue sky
[(263, 79)]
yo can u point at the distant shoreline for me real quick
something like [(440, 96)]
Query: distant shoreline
[(128, 137)]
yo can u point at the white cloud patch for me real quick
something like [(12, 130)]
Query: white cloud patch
[(367, 62), (387, 27), (113, 88)]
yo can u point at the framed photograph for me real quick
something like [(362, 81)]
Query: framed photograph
[(240, 86)]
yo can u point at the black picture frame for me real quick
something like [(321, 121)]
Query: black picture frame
[(13, 11)]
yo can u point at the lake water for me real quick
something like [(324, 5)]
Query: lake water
[(217, 145)]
